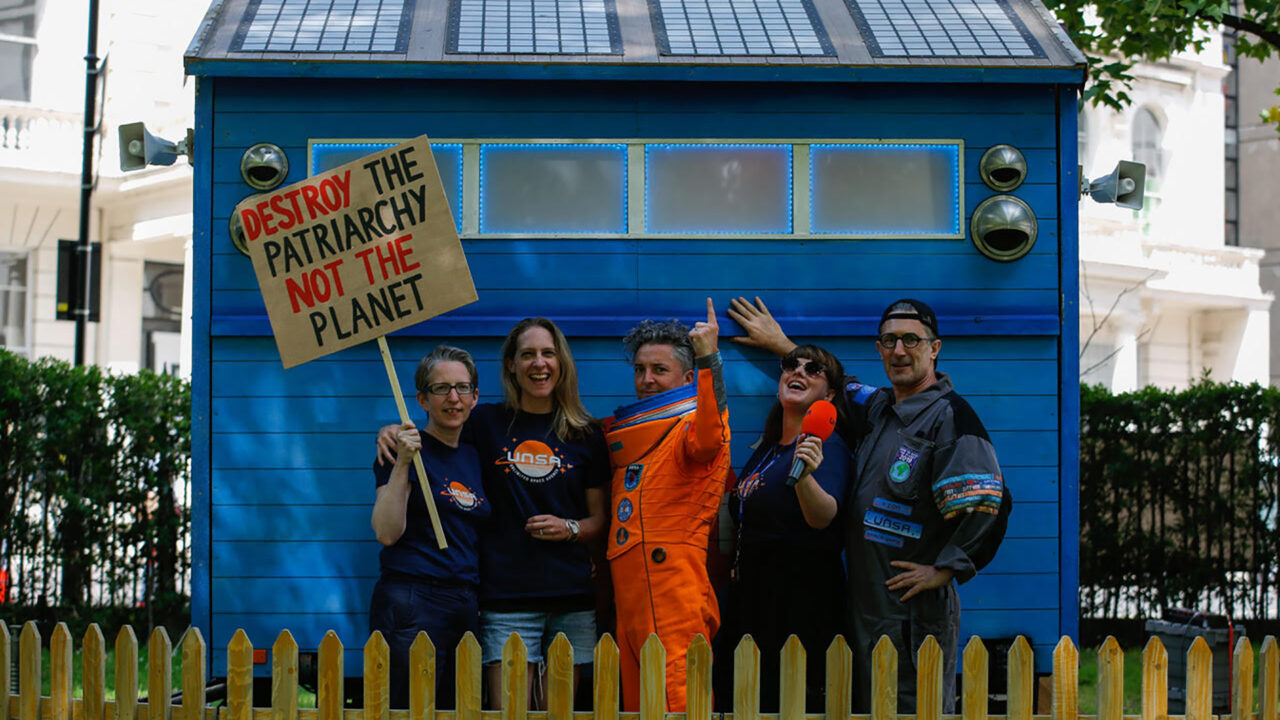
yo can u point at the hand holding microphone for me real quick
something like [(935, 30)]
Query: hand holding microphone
[(819, 422)]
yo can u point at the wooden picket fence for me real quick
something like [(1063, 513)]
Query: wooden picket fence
[(60, 704)]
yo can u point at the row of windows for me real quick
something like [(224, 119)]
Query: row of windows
[(854, 189)]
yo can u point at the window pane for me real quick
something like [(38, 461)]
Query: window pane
[(13, 302), (553, 188), (448, 158), (885, 189), (15, 70), (1148, 145), (718, 188)]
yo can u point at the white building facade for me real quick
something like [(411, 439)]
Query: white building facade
[(1163, 299), (143, 220)]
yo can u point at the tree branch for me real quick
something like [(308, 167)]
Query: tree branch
[(1235, 22)]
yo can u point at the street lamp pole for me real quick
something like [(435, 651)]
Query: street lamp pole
[(83, 247)]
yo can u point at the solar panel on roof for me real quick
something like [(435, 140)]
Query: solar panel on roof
[(942, 28), (738, 27), (556, 27), (328, 26)]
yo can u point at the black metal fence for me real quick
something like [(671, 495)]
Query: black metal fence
[(1179, 495), (94, 489)]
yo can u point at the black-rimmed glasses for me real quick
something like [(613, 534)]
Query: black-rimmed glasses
[(444, 388), (909, 340)]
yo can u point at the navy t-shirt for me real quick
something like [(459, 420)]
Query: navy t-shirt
[(767, 510), (454, 475), (528, 471)]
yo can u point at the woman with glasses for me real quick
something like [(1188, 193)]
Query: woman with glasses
[(545, 467), (787, 577), (421, 587)]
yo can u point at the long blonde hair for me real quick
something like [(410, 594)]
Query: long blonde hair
[(571, 419)]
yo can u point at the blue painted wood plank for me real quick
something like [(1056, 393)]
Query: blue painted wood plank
[(1070, 368), (1023, 591), (287, 523), (301, 559), (361, 96), (407, 350), (598, 377), (302, 595), (293, 126), (961, 271), (675, 303), (334, 413), (353, 660), (354, 485), (201, 309)]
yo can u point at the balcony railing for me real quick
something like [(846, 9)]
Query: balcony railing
[(35, 138)]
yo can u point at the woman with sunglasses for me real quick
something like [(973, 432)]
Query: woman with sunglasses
[(545, 469), (421, 587), (787, 577)]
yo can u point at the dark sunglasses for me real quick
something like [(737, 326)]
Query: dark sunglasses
[(444, 388), (812, 368)]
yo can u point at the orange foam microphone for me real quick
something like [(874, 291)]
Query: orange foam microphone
[(819, 422)]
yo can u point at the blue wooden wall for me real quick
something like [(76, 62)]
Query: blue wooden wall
[(283, 483)]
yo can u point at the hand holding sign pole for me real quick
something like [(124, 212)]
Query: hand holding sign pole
[(339, 258)]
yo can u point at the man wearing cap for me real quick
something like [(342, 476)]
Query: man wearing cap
[(925, 506)]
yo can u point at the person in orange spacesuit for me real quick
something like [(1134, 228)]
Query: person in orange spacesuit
[(670, 455)]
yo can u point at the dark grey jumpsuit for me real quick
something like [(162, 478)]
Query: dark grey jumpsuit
[(927, 489)]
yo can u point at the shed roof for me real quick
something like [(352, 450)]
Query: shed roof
[(984, 40)]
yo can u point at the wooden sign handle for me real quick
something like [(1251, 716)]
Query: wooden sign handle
[(417, 458)]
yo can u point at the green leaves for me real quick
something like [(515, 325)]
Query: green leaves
[(1178, 498), (93, 479), (1116, 34)]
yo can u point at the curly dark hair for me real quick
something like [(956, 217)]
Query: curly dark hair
[(665, 332)]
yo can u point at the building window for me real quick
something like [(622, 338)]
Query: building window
[(13, 303), (162, 317), (885, 189), (1148, 146), (17, 48)]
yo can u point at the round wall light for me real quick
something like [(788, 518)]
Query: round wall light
[(1003, 228), (1003, 168), (264, 166)]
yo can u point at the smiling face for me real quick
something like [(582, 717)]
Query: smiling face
[(909, 369), (536, 368), (448, 412), (657, 369), (797, 389)]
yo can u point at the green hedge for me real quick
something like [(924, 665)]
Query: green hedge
[(94, 478), (1179, 494)]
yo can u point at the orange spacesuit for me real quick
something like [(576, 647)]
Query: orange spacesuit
[(670, 457)]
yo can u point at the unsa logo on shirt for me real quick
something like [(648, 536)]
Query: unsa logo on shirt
[(533, 461), (461, 495)]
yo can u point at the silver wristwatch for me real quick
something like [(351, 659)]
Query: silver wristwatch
[(574, 529)]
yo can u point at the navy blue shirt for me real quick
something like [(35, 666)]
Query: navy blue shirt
[(528, 471), (454, 475), (767, 510)]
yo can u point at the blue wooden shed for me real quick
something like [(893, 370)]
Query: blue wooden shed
[(612, 160)]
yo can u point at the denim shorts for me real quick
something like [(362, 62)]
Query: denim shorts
[(537, 630)]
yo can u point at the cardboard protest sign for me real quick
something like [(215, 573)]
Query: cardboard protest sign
[(353, 253)]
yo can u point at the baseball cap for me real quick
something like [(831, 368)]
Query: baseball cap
[(917, 311)]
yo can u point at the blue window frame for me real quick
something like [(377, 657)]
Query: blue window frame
[(718, 188), (553, 188), (448, 158), (884, 189)]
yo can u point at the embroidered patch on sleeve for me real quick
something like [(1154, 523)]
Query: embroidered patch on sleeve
[(971, 492)]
